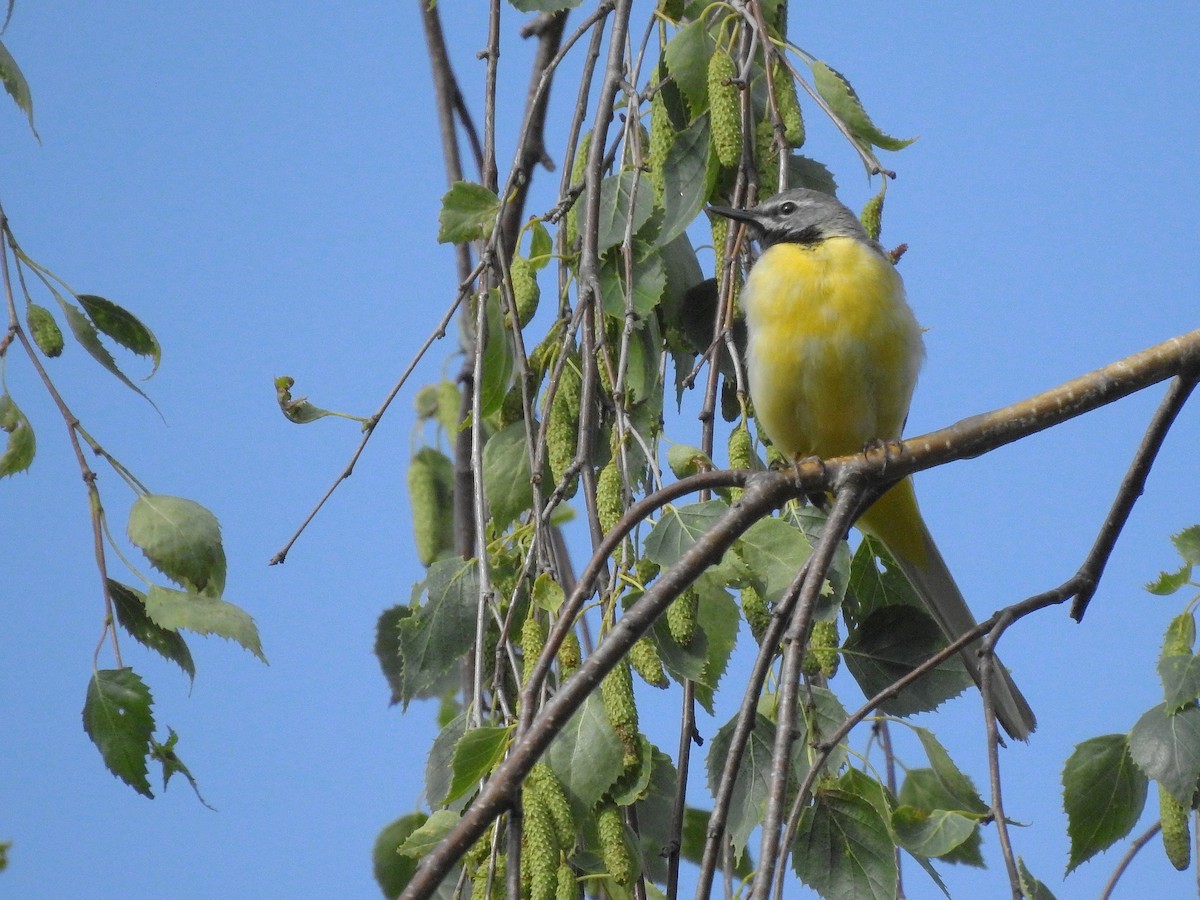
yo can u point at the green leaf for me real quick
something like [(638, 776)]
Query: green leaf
[(889, 644), (1031, 888), (1169, 582), (506, 481), (586, 756), (1187, 542), (774, 552), (1103, 795), (122, 326), (654, 811), (476, 754), (923, 790), (547, 594), (16, 85), (876, 582), (930, 834), (44, 330), (679, 528), (685, 460), (436, 638), (718, 618), (430, 833), (130, 607), (689, 174), (626, 201), (181, 539), (843, 848), (439, 764), (541, 246), (498, 361), (844, 102), (686, 56), (89, 338), (952, 779), (468, 213), (1166, 746), (393, 871), (1180, 637), (297, 410), (117, 717), (1180, 676), (387, 648), (21, 445), (695, 834), (204, 615), (165, 755), (649, 282)]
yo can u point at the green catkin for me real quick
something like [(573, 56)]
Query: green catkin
[(551, 792), (569, 654), (788, 105), (568, 885), (754, 608), (725, 109), (578, 176), (644, 658), (562, 429), (662, 136), (526, 292), (610, 496), (821, 657), (613, 848), (540, 853), (430, 494), (872, 216), (766, 158), (479, 879), (44, 330), (683, 617), (1176, 836), (616, 692), (533, 640), (645, 570)]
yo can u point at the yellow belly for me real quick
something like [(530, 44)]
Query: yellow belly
[(833, 347)]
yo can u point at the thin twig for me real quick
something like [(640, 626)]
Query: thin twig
[(1133, 850)]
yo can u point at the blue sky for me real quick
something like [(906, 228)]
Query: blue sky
[(260, 183)]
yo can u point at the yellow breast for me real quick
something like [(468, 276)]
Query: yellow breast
[(833, 347)]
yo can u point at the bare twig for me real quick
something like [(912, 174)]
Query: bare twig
[(1141, 841)]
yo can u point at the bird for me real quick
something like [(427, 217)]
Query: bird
[(833, 350)]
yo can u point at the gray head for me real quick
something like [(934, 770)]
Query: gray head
[(797, 216)]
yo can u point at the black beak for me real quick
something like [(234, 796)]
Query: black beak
[(738, 215)]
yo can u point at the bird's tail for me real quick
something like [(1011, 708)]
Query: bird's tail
[(895, 519)]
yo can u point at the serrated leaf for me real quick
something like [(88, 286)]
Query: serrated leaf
[(122, 326), (952, 779), (387, 648), (430, 833), (165, 755), (89, 338), (1180, 637), (16, 85), (476, 754), (181, 539), (586, 756), (498, 362), (435, 639), (842, 99), (130, 607), (439, 770), (506, 482), (547, 594), (923, 790), (117, 717), (718, 619), (649, 282), (1031, 888), (931, 834), (204, 615), (393, 871), (1166, 746), (1103, 795), (468, 213), (695, 835), (1169, 582), (1180, 676), (686, 56), (21, 445), (654, 809), (689, 174), (626, 201), (774, 552), (1187, 542), (843, 848), (679, 528), (889, 644), (876, 581)]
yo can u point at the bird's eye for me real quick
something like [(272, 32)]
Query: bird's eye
[(787, 208)]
